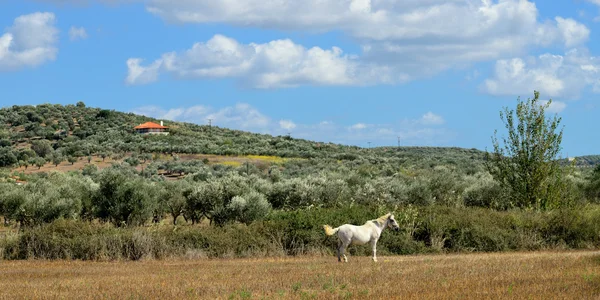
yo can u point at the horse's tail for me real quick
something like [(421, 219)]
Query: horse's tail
[(329, 230)]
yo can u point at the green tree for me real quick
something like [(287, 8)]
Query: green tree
[(592, 190), (205, 200), (526, 161), (42, 147), (72, 159), (39, 162), (104, 155), (57, 158), (123, 198), (7, 157), (172, 198)]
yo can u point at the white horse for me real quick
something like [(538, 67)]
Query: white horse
[(360, 235)]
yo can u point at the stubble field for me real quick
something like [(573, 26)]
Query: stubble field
[(534, 275)]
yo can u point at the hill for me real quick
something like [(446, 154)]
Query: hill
[(76, 131)]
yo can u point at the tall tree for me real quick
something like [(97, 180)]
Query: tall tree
[(526, 162)]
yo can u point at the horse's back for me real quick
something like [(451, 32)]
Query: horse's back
[(357, 235)]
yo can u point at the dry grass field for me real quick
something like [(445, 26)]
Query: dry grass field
[(535, 275)]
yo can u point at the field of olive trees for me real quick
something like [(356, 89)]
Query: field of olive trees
[(258, 195)]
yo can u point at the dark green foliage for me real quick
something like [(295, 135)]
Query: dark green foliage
[(42, 148), (172, 199), (72, 159), (89, 170), (56, 158), (39, 162), (124, 200), (526, 161), (7, 157), (592, 190)]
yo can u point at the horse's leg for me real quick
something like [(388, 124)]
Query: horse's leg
[(342, 251), (344, 246), (374, 247)]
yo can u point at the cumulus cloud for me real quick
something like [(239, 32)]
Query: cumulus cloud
[(432, 119), (137, 74), (572, 32), (279, 63), (29, 42), (287, 124), (77, 33), (400, 40), (421, 38), (563, 76), (555, 106)]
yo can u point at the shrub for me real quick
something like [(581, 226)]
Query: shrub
[(249, 207)]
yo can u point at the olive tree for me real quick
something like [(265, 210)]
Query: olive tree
[(123, 198), (526, 161), (249, 207), (172, 198)]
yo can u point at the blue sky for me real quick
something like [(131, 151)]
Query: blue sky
[(360, 72)]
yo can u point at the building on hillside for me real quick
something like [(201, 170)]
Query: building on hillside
[(152, 128)]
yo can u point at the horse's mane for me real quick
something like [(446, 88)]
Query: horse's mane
[(383, 218)]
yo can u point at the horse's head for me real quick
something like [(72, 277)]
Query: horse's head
[(392, 224)]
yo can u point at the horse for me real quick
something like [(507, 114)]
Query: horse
[(360, 235)]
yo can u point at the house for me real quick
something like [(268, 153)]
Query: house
[(152, 128)]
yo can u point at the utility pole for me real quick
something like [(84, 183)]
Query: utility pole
[(369, 144), (398, 142), (209, 122)]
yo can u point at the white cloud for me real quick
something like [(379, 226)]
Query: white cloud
[(432, 119), (421, 38), (279, 63), (553, 75), (77, 33), (29, 42), (555, 106), (573, 33), (137, 74), (358, 126), (287, 124)]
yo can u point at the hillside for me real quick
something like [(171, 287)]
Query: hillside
[(77, 131)]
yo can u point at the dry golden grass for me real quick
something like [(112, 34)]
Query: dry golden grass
[(540, 275)]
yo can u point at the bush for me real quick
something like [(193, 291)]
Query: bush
[(249, 207), (436, 229)]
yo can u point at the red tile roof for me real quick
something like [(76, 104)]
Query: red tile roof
[(150, 125)]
